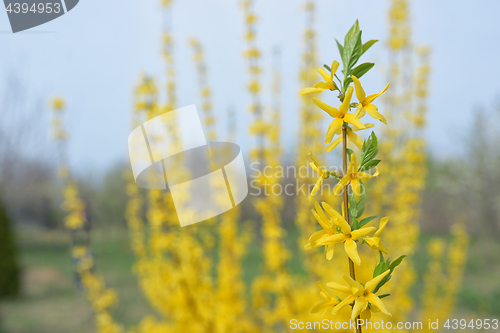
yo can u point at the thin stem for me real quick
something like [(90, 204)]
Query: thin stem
[(352, 272)]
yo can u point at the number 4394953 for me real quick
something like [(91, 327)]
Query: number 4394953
[(472, 324), (35, 8)]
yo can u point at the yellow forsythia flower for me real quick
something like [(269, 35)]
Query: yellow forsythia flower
[(353, 177), (360, 294), (364, 104), (339, 115), (336, 231), (322, 86)]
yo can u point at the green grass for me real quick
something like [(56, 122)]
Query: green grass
[(50, 301)]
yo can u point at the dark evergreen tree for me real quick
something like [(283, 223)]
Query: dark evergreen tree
[(9, 268)]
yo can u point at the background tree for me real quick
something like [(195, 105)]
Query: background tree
[(9, 277)]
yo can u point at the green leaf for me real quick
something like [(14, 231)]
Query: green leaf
[(349, 153), (372, 154), (370, 149), (352, 205), (368, 165), (368, 44), (347, 83), (354, 224), (362, 69), (396, 262), (341, 51), (384, 295), (366, 220), (391, 267), (356, 208), (362, 200), (366, 144), (381, 267), (349, 37), (356, 52), (352, 52), (352, 47)]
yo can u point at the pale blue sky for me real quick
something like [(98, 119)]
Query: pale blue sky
[(95, 53)]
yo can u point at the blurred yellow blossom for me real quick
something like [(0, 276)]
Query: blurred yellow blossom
[(58, 104)]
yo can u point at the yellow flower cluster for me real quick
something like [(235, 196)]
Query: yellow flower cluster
[(145, 97), (58, 104), (309, 139), (231, 305), (103, 299), (205, 92), (421, 88), (399, 27), (275, 282), (74, 206), (176, 282), (252, 55), (170, 70), (400, 191), (441, 286), (58, 131), (174, 270)]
